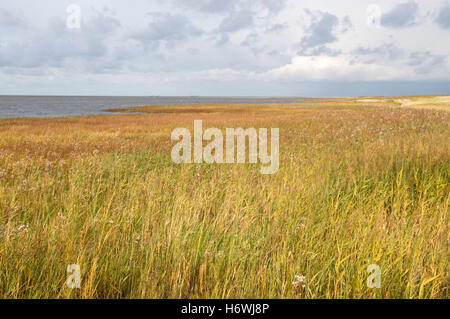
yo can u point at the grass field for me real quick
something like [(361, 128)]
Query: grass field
[(361, 181)]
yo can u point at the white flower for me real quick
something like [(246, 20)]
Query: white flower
[(301, 225), (299, 281), (23, 229), (137, 238)]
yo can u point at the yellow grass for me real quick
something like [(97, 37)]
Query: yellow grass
[(360, 183), (418, 102)]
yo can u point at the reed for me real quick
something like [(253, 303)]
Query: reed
[(360, 183)]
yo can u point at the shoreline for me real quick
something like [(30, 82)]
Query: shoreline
[(439, 102)]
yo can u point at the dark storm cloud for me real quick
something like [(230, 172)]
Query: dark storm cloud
[(401, 16), (168, 28), (443, 17)]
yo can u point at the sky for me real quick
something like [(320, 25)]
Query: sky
[(225, 47)]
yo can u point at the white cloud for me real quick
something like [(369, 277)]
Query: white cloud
[(225, 41), (344, 68)]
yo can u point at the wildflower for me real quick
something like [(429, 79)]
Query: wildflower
[(137, 238), (301, 225), (16, 209), (299, 281), (23, 229)]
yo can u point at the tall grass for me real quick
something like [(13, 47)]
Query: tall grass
[(358, 184)]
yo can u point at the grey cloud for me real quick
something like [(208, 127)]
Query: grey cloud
[(443, 17), (425, 58), (102, 24), (222, 6), (168, 28), (9, 19), (58, 46), (236, 21), (207, 6), (222, 40), (193, 51), (323, 29), (276, 28), (389, 51), (425, 62), (250, 40), (273, 6), (401, 16), (237, 15), (346, 24), (322, 50), (233, 22)]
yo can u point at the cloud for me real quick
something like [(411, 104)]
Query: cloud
[(385, 51), (168, 28), (344, 68), (225, 6), (425, 57), (233, 22), (326, 68), (443, 17), (215, 40), (250, 40), (426, 62), (58, 46), (323, 29), (9, 19), (273, 6), (236, 21), (206, 6), (276, 28), (401, 16), (236, 15)]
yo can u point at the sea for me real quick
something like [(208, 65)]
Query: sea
[(63, 106)]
